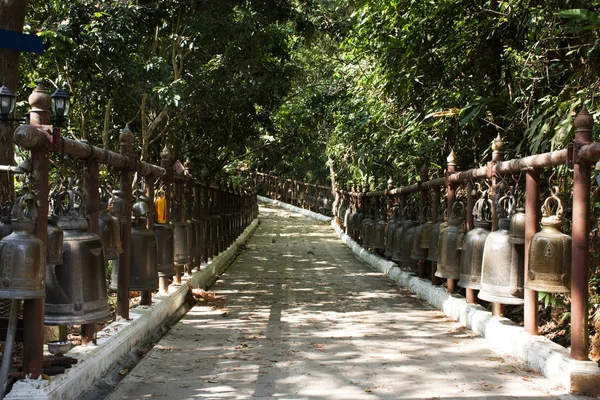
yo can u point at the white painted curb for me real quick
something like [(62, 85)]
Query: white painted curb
[(118, 338), (290, 207), (541, 354)]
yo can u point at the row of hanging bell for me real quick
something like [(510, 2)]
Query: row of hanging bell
[(76, 288)]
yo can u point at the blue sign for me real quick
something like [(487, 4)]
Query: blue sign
[(21, 42)]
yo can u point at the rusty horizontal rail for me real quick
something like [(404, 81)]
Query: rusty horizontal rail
[(32, 137)]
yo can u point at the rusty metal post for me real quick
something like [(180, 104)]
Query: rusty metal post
[(471, 293), (33, 310), (165, 162), (92, 195), (580, 245), (497, 156), (424, 176), (435, 204), (532, 219), (451, 190), (146, 297), (179, 197), (126, 148)]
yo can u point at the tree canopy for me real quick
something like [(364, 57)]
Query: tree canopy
[(363, 89)]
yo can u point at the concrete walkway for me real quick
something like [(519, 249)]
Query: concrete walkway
[(299, 317)]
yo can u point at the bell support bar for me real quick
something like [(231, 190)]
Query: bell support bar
[(32, 137)]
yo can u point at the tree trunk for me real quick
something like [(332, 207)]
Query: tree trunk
[(12, 18), (106, 127)]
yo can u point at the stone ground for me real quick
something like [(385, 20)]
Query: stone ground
[(298, 316)]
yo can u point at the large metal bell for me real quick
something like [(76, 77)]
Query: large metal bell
[(398, 239), (471, 259), (379, 235), (409, 264), (550, 253), (434, 237), (503, 265), (450, 245), (367, 231), (426, 233), (76, 290), (21, 268), (143, 272)]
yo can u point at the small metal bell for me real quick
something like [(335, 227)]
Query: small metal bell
[(517, 227), (550, 252), (21, 269), (450, 244), (503, 262), (165, 249)]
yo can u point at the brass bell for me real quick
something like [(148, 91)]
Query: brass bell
[(434, 236), (418, 252), (21, 268), (389, 241), (379, 235), (471, 259), (450, 244), (76, 289), (550, 252), (408, 263), (398, 239), (109, 230), (367, 230), (517, 227), (426, 231), (503, 262)]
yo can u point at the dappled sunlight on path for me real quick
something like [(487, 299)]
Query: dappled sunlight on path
[(299, 317)]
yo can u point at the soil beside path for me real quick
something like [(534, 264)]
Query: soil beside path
[(299, 317)]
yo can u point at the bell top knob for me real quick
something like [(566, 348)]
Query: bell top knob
[(583, 126), (39, 99), (498, 144), (165, 154), (126, 136), (584, 119), (424, 172), (452, 159)]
